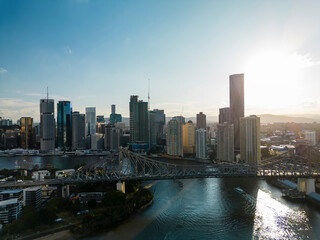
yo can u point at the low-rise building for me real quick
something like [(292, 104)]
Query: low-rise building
[(64, 173), (10, 210), (40, 175), (11, 194)]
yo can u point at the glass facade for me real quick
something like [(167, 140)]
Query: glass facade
[(64, 124), (26, 126)]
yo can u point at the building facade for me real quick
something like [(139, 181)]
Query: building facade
[(201, 143), (189, 138), (10, 210), (26, 132), (250, 151), (310, 136), (236, 85), (78, 131), (174, 137), (201, 121), (32, 197), (47, 125), (64, 125), (114, 117), (225, 142), (224, 115)]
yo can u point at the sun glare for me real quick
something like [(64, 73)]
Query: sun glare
[(272, 79)]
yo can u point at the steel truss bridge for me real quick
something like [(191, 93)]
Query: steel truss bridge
[(125, 165)]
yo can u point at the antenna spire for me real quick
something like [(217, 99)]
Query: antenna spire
[(47, 93)]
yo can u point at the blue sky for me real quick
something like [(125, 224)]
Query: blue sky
[(98, 53)]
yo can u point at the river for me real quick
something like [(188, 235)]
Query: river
[(206, 209)]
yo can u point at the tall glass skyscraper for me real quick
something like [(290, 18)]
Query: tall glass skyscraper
[(47, 125), (64, 124)]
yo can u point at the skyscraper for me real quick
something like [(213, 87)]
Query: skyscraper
[(250, 140), (139, 121), (225, 142), (26, 126), (114, 118), (201, 143), (78, 131), (189, 138), (64, 124), (201, 121), (174, 137), (47, 125), (90, 121), (112, 137), (224, 115), (236, 105), (157, 126)]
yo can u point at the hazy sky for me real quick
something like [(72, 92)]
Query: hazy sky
[(98, 53)]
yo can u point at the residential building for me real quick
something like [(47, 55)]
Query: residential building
[(225, 142), (236, 105), (310, 136), (64, 125), (224, 115), (250, 152), (201, 143), (201, 121), (47, 125), (174, 137), (112, 137), (40, 175), (189, 139), (11, 194), (32, 197), (10, 210)]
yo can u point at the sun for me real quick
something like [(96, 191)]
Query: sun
[(272, 79)]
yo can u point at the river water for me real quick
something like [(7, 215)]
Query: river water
[(205, 209)]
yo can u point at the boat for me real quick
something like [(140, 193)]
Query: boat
[(239, 190), (65, 156)]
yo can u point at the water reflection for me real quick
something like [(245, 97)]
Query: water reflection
[(274, 220)]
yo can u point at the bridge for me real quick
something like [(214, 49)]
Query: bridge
[(125, 165)]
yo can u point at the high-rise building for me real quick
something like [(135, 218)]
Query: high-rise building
[(64, 125), (90, 120), (10, 210), (236, 105), (310, 136), (224, 115), (174, 137), (139, 121), (189, 139), (100, 119), (250, 140), (225, 142), (112, 137), (78, 131), (26, 126), (47, 125), (160, 123), (201, 121), (201, 143), (114, 118)]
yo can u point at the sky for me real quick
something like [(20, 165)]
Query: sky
[(96, 53)]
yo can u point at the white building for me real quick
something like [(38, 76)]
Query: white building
[(64, 173), (40, 175), (10, 210), (201, 143), (310, 136)]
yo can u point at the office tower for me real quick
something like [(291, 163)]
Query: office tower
[(112, 138), (310, 136), (225, 142), (5, 122), (201, 121), (250, 140), (100, 119), (139, 121), (114, 118), (11, 138), (78, 131), (153, 130), (32, 197), (201, 143), (174, 137), (224, 115), (64, 125), (160, 123), (189, 140), (47, 125), (90, 120), (26, 126), (236, 105), (180, 118)]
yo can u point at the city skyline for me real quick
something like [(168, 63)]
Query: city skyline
[(188, 55)]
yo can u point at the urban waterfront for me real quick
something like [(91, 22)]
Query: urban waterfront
[(203, 208)]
